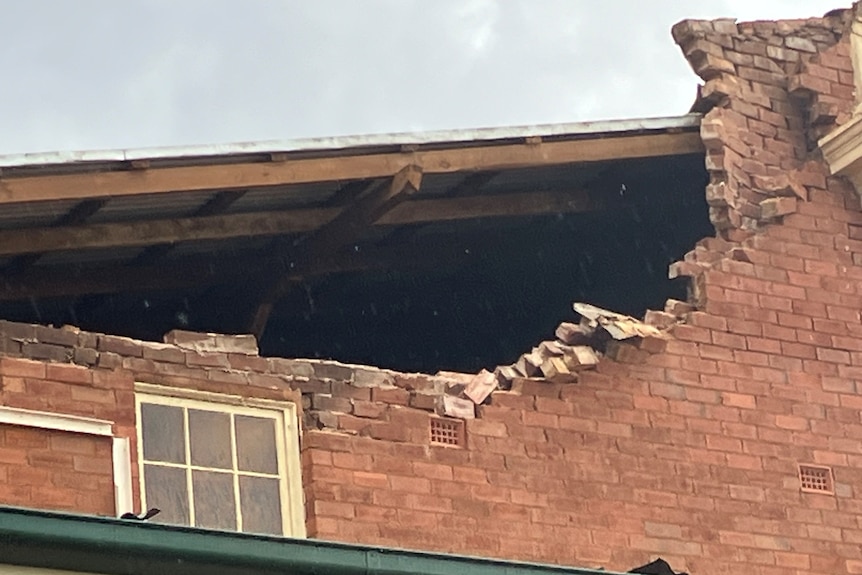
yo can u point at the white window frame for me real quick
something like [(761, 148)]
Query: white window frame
[(120, 452), (287, 442)]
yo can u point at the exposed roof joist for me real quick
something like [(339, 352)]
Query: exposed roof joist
[(219, 203), (204, 270), (256, 224), (485, 157), (77, 215), (344, 228)]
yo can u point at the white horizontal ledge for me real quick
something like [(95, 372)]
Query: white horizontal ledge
[(55, 421)]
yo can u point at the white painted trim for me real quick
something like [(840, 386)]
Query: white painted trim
[(56, 421), (842, 150), (122, 463), (212, 397), (21, 570), (120, 454)]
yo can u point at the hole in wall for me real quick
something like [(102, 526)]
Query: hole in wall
[(515, 281)]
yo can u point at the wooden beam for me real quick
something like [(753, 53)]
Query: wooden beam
[(471, 184), (126, 234), (342, 167), (346, 227), (144, 233), (184, 273), (218, 204), (206, 270), (351, 222), (494, 206), (77, 215), (350, 191)]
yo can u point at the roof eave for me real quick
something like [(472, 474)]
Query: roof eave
[(339, 144)]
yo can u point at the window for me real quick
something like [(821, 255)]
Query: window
[(220, 462)]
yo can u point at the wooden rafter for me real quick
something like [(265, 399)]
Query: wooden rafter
[(471, 183), (347, 167), (196, 271), (218, 204), (350, 223), (77, 215), (350, 191), (255, 224), (183, 273), (344, 228)]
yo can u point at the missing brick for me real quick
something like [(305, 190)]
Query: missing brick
[(449, 432), (816, 479)]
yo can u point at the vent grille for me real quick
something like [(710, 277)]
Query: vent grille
[(447, 432), (816, 479)]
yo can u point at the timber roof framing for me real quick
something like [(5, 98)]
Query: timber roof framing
[(348, 226), (642, 139), (136, 215)]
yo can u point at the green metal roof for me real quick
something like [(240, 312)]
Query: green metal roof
[(107, 545)]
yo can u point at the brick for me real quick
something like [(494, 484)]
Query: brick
[(21, 368), (800, 44), (777, 207), (124, 346), (344, 389), (47, 351), (410, 484), (69, 373), (211, 342), (333, 371), (63, 337), (390, 396), (370, 409), (90, 395)]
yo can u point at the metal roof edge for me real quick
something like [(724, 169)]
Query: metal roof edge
[(343, 143), (107, 545)]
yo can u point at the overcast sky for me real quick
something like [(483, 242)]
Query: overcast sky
[(93, 74)]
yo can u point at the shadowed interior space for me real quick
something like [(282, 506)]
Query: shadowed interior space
[(461, 293)]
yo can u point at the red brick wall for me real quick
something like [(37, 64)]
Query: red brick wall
[(56, 469), (49, 469), (687, 449), (690, 453)]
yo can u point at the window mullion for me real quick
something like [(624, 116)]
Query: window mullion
[(189, 482), (235, 463), (281, 442)]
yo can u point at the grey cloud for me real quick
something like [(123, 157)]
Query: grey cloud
[(99, 73)]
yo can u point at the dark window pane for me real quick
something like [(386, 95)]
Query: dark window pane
[(166, 489), (214, 500), (162, 432), (261, 505), (255, 444), (209, 439)]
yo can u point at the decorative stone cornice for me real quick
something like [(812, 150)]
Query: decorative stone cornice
[(842, 150)]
